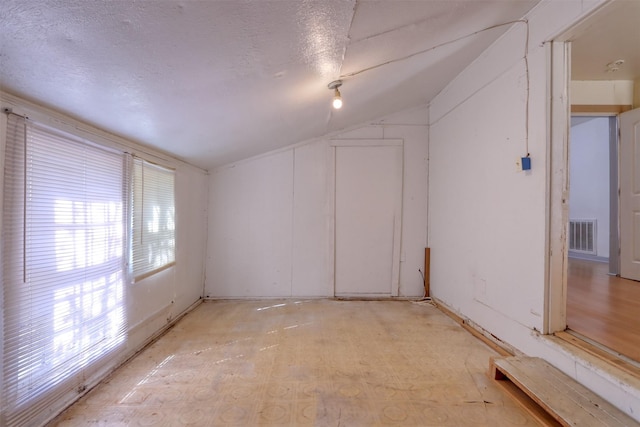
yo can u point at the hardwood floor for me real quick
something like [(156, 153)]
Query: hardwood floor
[(604, 308)]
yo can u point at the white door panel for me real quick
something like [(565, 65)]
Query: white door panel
[(368, 213), (630, 194)]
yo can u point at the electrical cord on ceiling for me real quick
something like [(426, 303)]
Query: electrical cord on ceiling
[(526, 68), (526, 64), (403, 58)]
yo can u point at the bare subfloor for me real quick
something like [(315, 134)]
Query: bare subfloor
[(305, 363)]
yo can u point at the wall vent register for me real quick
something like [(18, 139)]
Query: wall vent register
[(582, 236)]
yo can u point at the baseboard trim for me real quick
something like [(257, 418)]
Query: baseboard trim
[(588, 257), (498, 346)]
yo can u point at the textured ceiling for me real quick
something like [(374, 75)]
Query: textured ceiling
[(216, 81)]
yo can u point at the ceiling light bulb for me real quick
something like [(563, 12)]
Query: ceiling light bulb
[(337, 100)]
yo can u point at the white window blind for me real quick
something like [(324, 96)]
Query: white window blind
[(153, 230), (63, 266)]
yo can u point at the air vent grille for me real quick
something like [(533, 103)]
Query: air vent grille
[(582, 236)]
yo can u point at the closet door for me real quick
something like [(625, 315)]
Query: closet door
[(368, 203)]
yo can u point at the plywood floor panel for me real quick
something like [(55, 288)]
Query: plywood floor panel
[(571, 403), (306, 363)]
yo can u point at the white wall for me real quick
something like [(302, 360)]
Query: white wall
[(487, 221), (157, 300), (251, 228), (589, 175), (154, 302), (271, 217), (602, 92)]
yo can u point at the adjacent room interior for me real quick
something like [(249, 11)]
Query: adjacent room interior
[(319, 213), (602, 305), (603, 292)]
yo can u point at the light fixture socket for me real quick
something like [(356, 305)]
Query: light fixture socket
[(337, 97), (614, 66), (335, 84)]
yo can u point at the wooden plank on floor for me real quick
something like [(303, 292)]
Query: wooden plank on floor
[(569, 402), (527, 403)]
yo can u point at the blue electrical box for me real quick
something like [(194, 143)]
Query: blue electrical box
[(526, 163)]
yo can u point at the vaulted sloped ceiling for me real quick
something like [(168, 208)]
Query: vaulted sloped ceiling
[(216, 81)]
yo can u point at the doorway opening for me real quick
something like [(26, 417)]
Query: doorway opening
[(602, 300), (601, 306)]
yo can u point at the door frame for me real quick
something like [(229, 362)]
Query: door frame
[(558, 130), (558, 107)]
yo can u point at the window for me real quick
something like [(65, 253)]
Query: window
[(153, 225), (63, 267)]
